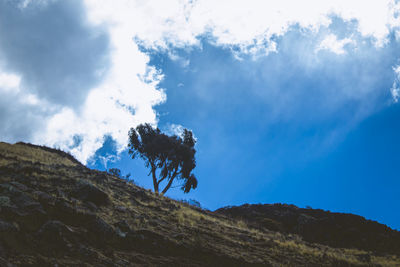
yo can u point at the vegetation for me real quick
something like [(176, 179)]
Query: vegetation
[(168, 157), (117, 172), (191, 202), (56, 212)]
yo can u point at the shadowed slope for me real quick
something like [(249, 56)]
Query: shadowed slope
[(315, 225), (53, 210)]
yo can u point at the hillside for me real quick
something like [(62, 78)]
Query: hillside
[(340, 230), (56, 212)]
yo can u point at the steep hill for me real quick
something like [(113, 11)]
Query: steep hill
[(56, 212)]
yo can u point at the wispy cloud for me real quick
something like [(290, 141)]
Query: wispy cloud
[(395, 90)]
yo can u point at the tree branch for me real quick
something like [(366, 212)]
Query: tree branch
[(162, 179), (170, 182)]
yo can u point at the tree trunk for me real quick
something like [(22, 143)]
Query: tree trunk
[(153, 172)]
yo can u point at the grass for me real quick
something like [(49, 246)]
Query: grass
[(34, 154), (199, 230)]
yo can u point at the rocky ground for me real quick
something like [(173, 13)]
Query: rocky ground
[(56, 212)]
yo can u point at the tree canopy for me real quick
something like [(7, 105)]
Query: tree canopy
[(169, 158)]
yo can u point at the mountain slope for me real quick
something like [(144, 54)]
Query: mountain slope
[(318, 226), (56, 212)]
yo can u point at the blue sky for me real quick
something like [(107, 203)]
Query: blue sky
[(289, 104), (334, 156)]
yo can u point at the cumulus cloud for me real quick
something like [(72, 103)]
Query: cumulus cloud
[(63, 78), (58, 55), (249, 26), (76, 70), (17, 108), (333, 44)]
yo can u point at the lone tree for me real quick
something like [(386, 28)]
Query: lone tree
[(169, 157)]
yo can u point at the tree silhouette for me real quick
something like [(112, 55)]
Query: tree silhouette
[(168, 157)]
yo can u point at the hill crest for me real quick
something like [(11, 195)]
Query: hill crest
[(55, 211)]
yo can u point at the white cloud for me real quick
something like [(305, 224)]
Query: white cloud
[(125, 99), (184, 62), (395, 90), (54, 100), (174, 129), (333, 44), (246, 24), (9, 81), (123, 92), (10, 84)]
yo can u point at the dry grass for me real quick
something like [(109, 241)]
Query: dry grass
[(33, 154), (191, 227)]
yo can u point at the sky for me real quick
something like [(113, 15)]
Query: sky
[(290, 101)]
